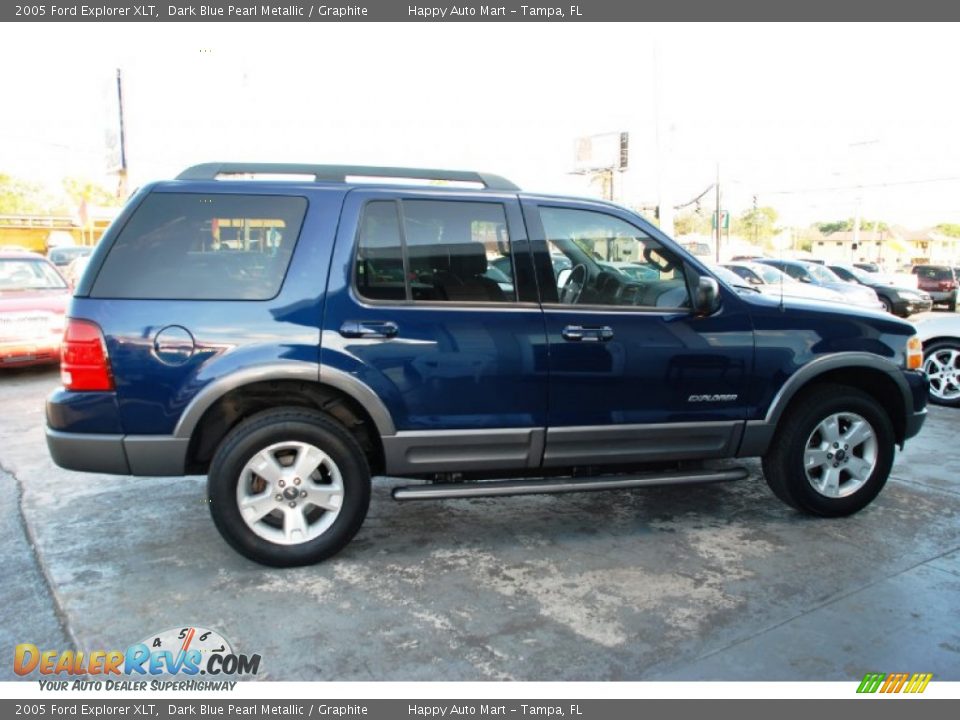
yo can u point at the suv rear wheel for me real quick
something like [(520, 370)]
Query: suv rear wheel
[(288, 487), (832, 452)]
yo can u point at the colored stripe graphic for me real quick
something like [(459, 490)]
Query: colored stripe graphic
[(871, 682), (894, 682)]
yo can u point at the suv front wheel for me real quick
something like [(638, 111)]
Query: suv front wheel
[(288, 487), (832, 452)]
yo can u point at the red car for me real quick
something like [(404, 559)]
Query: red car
[(33, 299), (940, 282)]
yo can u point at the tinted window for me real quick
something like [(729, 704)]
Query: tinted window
[(379, 265), (448, 251), (936, 273), (611, 262), (451, 245), (203, 247)]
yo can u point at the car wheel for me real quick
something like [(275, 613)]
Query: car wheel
[(288, 487), (832, 452), (952, 305), (941, 363), (887, 305)]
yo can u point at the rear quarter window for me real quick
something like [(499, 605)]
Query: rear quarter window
[(183, 246)]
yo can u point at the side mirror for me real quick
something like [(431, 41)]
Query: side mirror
[(805, 279), (707, 299)]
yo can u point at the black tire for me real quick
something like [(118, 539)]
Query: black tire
[(783, 465), (293, 425), (938, 347), (952, 305)]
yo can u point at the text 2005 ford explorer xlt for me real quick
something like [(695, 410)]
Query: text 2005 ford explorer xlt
[(292, 338)]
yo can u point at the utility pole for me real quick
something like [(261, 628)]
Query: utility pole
[(719, 216), (122, 171)]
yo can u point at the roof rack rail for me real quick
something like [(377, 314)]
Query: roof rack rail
[(340, 173)]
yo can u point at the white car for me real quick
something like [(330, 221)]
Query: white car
[(940, 335)]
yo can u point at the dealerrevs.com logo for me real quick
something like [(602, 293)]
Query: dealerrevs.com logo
[(186, 651)]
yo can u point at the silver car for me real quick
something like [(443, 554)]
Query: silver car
[(770, 281), (815, 274)]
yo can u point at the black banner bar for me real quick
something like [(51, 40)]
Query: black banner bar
[(553, 11), (264, 709)]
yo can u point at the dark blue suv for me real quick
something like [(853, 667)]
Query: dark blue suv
[(291, 336)]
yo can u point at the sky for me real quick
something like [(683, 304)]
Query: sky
[(810, 118)]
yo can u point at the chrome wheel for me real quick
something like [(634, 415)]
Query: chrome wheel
[(943, 369), (290, 493), (840, 455)]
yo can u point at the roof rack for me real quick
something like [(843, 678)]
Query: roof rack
[(340, 173)]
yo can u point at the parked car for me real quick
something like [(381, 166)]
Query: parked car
[(291, 340), (33, 299), (63, 256), (769, 280), (814, 273), (940, 335), (940, 282), (900, 301), (74, 270)]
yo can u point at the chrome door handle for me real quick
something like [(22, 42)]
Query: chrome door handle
[(578, 333), (369, 329)]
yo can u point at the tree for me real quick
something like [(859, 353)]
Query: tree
[(756, 224), (950, 229), (22, 197), (18, 197), (691, 223), (828, 228), (80, 189)]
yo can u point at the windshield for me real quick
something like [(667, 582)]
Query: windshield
[(16, 274), (772, 276), (730, 277), (822, 274)]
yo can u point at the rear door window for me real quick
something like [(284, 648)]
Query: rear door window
[(441, 251), (203, 247)]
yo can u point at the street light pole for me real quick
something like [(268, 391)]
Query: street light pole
[(719, 218)]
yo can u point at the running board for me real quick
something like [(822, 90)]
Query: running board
[(497, 488)]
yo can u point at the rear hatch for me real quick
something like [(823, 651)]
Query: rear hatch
[(196, 281)]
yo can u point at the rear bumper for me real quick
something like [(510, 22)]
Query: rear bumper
[(26, 352), (941, 296), (151, 455)]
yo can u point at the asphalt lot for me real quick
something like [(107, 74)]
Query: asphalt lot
[(720, 582)]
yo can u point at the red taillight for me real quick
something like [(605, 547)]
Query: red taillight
[(84, 364)]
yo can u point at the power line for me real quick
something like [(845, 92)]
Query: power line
[(893, 183)]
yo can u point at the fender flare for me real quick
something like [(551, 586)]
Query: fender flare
[(835, 361), (285, 370)]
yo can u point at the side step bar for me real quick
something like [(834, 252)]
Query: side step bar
[(497, 488)]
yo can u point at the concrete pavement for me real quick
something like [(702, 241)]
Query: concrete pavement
[(708, 583)]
